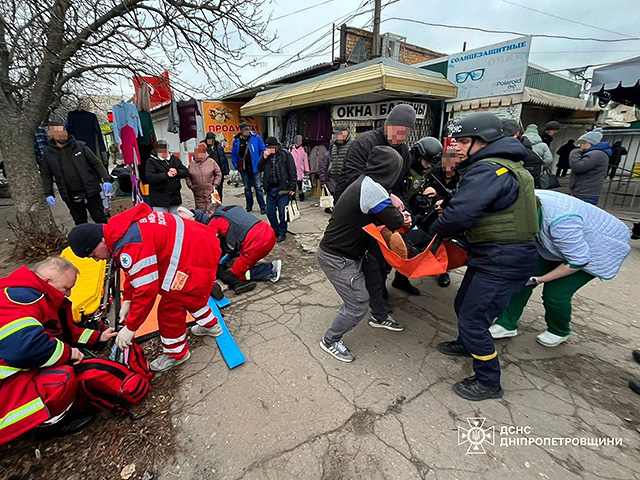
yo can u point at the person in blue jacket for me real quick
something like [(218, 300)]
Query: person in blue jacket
[(246, 152), (495, 208)]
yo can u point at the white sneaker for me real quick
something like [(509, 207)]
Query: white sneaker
[(276, 270), (548, 339), (200, 331), (164, 362), (500, 332)]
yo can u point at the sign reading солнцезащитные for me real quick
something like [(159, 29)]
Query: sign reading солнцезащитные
[(373, 111), (498, 69)]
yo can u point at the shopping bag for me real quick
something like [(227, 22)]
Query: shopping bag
[(306, 184), (292, 211), (326, 200), (426, 263), (548, 180)]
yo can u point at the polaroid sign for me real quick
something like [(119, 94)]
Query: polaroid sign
[(373, 111), (490, 71)]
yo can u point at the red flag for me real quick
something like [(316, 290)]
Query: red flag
[(159, 89)]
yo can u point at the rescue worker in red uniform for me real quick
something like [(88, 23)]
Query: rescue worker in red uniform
[(244, 234), (160, 254), (38, 385)]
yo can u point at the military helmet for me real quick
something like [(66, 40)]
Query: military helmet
[(485, 126), (428, 148)]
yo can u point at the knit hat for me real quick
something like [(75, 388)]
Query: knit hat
[(384, 165), (510, 127), (402, 115), (84, 238), (552, 125), (593, 137), (210, 136), (341, 127), (244, 126), (297, 138), (272, 142)]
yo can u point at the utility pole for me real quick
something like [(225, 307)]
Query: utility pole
[(376, 28)]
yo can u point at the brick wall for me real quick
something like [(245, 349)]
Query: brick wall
[(409, 54)]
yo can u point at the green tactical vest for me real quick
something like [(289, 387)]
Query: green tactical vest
[(417, 183), (516, 223)]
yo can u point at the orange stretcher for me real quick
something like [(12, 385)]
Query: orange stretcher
[(426, 264)]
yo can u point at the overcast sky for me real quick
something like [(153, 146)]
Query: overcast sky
[(612, 19)]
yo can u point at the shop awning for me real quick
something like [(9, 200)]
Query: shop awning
[(531, 96), (619, 82), (375, 80)]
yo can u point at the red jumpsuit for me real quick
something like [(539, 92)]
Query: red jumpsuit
[(160, 254), (37, 384)]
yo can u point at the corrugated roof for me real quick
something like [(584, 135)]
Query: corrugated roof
[(376, 76)]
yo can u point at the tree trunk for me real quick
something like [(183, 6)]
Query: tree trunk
[(16, 143)]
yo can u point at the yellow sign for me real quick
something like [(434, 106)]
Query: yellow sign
[(223, 119)]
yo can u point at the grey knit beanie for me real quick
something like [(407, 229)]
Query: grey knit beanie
[(402, 115), (593, 137)]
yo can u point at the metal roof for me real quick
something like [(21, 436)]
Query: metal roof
[(377, 79)]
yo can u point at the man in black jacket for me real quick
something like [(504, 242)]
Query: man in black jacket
[(216, 151), (343, 248), (495, 208), (533, 163), (77, 173), (164, 172), (279, 179)]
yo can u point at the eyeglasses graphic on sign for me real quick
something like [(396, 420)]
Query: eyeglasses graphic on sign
[(474, 74)]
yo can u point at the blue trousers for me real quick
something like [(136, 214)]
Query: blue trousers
[(275, 204), (481, 298), (591, 200), (250, 179)]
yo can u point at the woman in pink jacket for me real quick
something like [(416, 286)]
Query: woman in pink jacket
[(302, 162), (204, 176)]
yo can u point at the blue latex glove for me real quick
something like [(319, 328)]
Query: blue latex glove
[(107, 187), (51, 200)]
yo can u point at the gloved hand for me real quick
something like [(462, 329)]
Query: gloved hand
[(532, 282), (107, 187), (124, 310), (51, 200), (124, 338)]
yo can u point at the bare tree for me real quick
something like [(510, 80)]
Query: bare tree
[(49, 48)]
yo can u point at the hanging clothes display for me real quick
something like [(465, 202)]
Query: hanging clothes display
[(145, 142), (84, 126), (291, 130), (129, 146), (315, 155), (320, 129), (187, 111), (173, 125), (125, 114)]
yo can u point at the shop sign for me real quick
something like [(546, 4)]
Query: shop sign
[(498, 69), (224, 119), (373, 111)]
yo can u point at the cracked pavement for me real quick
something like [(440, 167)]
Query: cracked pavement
[(293, 412)]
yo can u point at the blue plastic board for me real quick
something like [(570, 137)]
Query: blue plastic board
[(224, 302), (227, 345)]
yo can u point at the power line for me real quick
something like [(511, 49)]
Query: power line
[(508, 32), (302, 10), (566, 19)]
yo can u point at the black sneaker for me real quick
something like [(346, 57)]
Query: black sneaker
[(74, 421), (243, 287), (635, 232), (248, 209), (444, 280), (263, 211), (389, 323), (454, 349), (635, 386), (636, 355), (328, 210), (405, 286), (338, 350), (281, 238), (471, 389)]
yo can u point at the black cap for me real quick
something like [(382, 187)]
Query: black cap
[(485, 126), (210, 136), (341, 127), (244, 126), (510, 127), (272, 142), (83, 239), (552, 125)]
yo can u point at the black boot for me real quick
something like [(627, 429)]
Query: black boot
[(281, 238), (454, 349), (635, 232), (402, 283), (444, 280), (636, 355), (73, 422), (471, 389), (238, 286), (635, 386), (302, 197)]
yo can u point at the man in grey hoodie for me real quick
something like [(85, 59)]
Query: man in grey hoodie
[(589, 165)]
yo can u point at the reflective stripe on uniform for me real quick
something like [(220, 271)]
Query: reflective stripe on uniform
[(201, 312), (86, 335), (57, 354), (174, 350), (485, 358), (21, 413), (19, 324), (6, 371), (203, 321), (172, 341), (145, 262), (145, 279), (175, 255)]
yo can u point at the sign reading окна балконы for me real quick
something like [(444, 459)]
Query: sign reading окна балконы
[(373, 111)]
